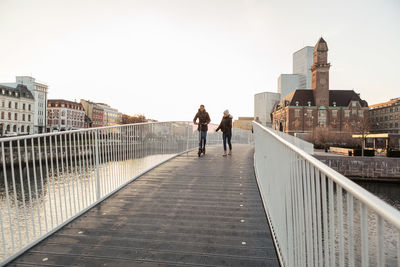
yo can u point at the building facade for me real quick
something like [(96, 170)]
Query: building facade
[(16, 110), (263, 106), (302, 62), (305, 109), (64, 115), (93, 112), (385, 117), (287, 83), (111, 116), (244, 123)]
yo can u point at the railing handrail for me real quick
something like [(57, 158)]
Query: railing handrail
[(379, 206), (21, 137)]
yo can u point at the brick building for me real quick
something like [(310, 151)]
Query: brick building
[(64, 115), (94, 113), (385, 117), (305, 109)]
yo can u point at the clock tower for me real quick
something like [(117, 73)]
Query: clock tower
[(320, 74)]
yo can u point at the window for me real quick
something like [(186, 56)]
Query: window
[(346, 113), (29, 107), (29, 117), (297, 113), (15, 128), (2, 115), (16, 105), (334, 114), (16, 116), (354, 104), (396, 124), (28, 129), (354, 111), (9, 104), (361, 113), (3, 104), (390, 125), (9, 116), (23, 106), (22, 128), (23, 117)]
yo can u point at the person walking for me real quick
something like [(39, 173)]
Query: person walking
[(226, 127), (204, 120)]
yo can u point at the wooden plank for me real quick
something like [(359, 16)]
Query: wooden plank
[(189, 211)]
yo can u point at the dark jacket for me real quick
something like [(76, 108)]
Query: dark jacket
[(204, 119), (226, 125)]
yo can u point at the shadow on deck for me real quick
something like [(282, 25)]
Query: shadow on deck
[(189, 211)]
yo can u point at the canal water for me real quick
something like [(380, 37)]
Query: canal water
[(389, 192)]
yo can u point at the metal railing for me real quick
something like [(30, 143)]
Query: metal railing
[(47, 180), (300, 143), (319, 217)]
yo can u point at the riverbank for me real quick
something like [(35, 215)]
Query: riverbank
[(381, 169)]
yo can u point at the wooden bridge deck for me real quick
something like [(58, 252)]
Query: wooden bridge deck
[(189, 211)]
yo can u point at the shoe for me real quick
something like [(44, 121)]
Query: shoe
[(224, 154), (230, 152), (204, 151), (199, 153)]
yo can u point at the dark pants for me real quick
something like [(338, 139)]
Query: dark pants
[(224, 138), (203, 138)]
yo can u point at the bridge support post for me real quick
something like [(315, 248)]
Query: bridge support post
[(97, 166)]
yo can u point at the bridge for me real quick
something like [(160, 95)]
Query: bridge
[(139, 195)]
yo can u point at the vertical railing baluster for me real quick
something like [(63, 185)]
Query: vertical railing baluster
[(350, 234), (325, 224), (71, 171), (68, 171), (63, 176), (339, 195), (58, 179), (314, 226), (10, 220), (78, 176), (21, 178), (332, 239), (82, 178), (319, 215), (42, 183), (381, 247), (36, 187), (15, 194), (364, 236), (96, 141), (48, 182)]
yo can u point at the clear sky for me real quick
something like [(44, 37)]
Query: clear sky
[(163, 58)]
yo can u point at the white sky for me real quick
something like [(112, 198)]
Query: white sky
[(163, 58)]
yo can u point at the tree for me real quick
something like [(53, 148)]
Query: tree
[(138, 118), (362, 128)]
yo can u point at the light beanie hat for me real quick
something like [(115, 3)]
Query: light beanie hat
[(226, 112)]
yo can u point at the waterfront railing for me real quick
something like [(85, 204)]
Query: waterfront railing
[(319, 217)]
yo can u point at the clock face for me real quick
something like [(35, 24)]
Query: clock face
[(322, 81)]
